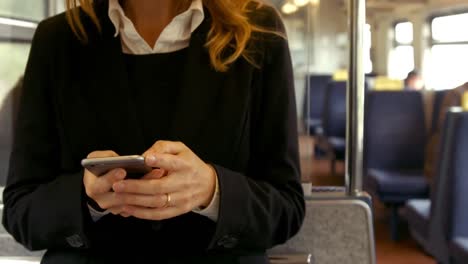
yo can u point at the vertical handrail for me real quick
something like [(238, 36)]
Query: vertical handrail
[(50, 8), (308, 52), (355, 98)]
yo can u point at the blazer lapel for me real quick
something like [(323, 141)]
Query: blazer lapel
[(111, 95), (211, 102), (200, 87)]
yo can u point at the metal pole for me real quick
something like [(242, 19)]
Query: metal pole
[(355, 98), (308, 41), (51, 7)]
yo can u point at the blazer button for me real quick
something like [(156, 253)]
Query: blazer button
[(228, 242), (156, 225), (75, 241)]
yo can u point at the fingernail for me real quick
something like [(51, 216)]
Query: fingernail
[(118, 187), (151, 158), (120, 174)]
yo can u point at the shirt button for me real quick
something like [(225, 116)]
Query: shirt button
[(228, 242), (75, 241)]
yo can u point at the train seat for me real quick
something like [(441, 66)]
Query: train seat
[(314, 103), (8, 245), (8, 113), (459, 250), (6, 135), (336, 229), (447, 215), (417, 213), (427, 219), (333, 141), (458, 220), (394, 143), (397, 186), (334, 115), (436, 107), (338, 144)]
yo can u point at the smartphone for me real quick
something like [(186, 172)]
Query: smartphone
[(134, 165)]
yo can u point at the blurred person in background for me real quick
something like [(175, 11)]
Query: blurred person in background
[(414, 81)]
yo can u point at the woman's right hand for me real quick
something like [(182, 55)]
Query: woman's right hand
[(99, 188)]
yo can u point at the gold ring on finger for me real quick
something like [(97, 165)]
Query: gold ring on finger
[(168, 200)]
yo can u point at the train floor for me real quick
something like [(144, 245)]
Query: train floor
[(405, 251)]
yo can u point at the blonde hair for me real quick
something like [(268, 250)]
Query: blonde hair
[(228, 37)]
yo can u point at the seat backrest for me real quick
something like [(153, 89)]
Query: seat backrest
[(315, 95), (10, 248), (6, 135), (436, 107), (335, 230), (334, 113), (460, 178), (394, 130), (8, 111), (448, 199)]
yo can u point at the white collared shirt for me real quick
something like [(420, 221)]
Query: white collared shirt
[(176, 36)]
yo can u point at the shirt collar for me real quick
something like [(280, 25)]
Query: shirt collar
[(195, 12)]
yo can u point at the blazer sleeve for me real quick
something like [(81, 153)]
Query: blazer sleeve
[(44, 206), (265, 206)]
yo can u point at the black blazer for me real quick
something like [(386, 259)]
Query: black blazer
[(75, 100)]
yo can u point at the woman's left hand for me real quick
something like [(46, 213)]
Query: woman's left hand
[(190, 183)]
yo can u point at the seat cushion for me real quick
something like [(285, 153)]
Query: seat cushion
[(313, 122), (335, 144), (397, 186), (417, 213), (314, 126), (459, 250), (338, 145)]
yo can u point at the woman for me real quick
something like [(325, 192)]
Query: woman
[(203, 89)]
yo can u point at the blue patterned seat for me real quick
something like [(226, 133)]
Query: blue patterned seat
[(394, 144)]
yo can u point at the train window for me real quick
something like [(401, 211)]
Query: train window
[(401, 59), (35, 10), (404, 33), (18, 20), (447, 28), (448, 52)]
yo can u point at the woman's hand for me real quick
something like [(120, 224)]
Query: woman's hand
[(190, 183), (99, 188)]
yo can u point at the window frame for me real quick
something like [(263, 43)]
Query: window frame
[(16, 34), (436, 43), (394, 40), (45, 12), (396, 44), (432, 41)]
